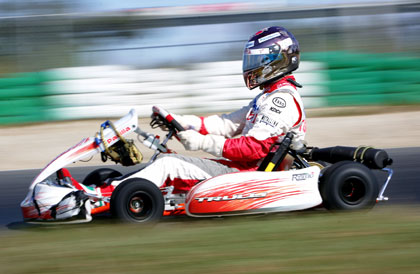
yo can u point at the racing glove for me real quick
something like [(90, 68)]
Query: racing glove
[(188, 121), (192, 140)]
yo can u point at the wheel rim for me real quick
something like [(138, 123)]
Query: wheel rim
[(353, 191), (139, 206)]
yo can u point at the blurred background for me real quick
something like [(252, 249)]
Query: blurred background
[(69, 60)]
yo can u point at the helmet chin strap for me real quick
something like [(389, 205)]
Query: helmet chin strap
[(294, 83), (272, 81)]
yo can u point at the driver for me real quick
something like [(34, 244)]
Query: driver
[(270, 57)]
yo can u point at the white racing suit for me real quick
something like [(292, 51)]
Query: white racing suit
[(277, 110)]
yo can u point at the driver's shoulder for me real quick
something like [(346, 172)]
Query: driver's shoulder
[(279, 98)]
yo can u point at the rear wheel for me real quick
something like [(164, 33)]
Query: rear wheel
[(137, 201), (348, 186)]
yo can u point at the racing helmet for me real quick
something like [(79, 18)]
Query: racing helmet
[(269, 55)]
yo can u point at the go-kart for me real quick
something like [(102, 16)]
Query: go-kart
[(335, 178)]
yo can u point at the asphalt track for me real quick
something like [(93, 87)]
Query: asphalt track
[(404, 188)]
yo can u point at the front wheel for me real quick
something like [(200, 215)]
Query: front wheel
[(137, 201), (348, 186)]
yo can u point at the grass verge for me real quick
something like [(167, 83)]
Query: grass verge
[(385, 240)]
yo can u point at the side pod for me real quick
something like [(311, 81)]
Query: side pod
[(255, 192)]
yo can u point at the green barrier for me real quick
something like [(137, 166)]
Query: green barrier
[(22, 79), (393, 62), (369, 79), (357, 87), (346, 74), (22, 119), (410, 98), (22, 91), (18, 107), (400, 76), (352, 100), (406, 97), (339, 60), (352, 79), (22, 98)]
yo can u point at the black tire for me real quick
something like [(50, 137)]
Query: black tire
[(98, 176), (137, 201), (348, 185)]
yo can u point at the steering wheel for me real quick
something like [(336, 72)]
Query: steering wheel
[(166, 118)]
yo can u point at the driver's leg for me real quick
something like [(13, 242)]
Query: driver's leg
[(180, 171)]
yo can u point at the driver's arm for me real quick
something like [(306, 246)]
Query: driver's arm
[(271, 124), (227, 125), (267, 129)]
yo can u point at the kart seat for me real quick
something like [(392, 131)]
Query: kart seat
[(277, 160)]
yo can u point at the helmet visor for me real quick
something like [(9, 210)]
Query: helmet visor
[(256, 58)]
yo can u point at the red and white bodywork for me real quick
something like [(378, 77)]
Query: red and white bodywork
[(89, 147), (44, 193), (255, 192)]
